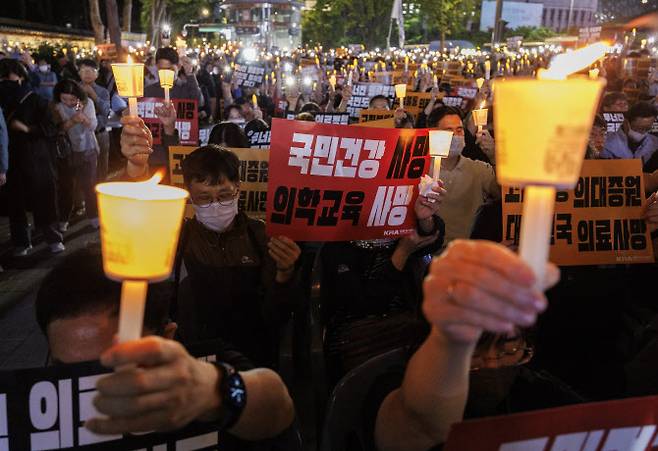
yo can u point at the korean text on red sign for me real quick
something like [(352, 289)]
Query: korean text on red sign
[(187, 119), (624, 425), (336, 183)]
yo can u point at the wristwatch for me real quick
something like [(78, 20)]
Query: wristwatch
[(233, 393)]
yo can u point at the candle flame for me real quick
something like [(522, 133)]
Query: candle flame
[(157, 178), (569, 63), (483, 104)]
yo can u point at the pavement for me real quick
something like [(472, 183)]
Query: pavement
[(22, 345)]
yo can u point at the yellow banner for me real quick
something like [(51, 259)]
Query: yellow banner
[(375, 115), (599, 222), (254, 172)]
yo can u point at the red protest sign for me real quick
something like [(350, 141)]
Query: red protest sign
[(338, 183), (622, 425), (187, 121)]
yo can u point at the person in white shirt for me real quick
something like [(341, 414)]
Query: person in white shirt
[(468, 183)]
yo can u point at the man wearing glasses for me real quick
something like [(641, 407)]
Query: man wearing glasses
[(88, 71), (241, 285)]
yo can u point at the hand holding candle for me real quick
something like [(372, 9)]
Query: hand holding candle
[(480, 117), (166, 81), (440, 141), (140, 224), (553, 117)]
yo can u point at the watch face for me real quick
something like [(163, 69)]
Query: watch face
[(236, 391)]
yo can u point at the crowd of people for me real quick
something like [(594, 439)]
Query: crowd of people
[(453, 294)]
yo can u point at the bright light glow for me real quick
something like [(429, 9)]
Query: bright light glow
[(290, 81), (287, 67), (569, 63), (166, 28), (307, 81), (250, 54)]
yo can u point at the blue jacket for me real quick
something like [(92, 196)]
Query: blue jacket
[(616, 147), (4, 145)]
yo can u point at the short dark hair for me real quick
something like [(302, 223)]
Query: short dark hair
[(10, 66), (211, 164), (88, 62), (166, 53), (377, 97), (641, 109), (613, 97), (435, 116), (310, 107), (305, 116), (78, 286), (233, 106), (228, 134), (68, 86)]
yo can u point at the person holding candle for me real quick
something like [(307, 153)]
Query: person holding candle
[(371, 289), (243, 284), (402, 118), (31, 171), (468, 182), (77, 309), (633, 139), (459, 371), (185, 86), (76, 116)]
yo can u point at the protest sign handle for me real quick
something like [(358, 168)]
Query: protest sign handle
[(131, 314), (534, 244)]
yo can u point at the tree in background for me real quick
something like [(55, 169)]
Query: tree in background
[(96, 21), (113, 27), (341, 22), (127, 14), (176, 13)]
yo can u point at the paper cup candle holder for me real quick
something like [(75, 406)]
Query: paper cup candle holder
[(130, 82), (542, 127), (166, 81), (140, 225)]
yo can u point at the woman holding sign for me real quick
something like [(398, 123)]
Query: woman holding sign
[(241, 285)]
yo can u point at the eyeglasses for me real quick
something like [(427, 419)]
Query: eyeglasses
[(224, 199), (499, 351)]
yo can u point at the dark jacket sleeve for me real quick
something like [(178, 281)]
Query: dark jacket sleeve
[(280, 298)]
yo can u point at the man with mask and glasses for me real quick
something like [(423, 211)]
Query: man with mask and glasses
[(468, 183), (633, 140), (242, 285)]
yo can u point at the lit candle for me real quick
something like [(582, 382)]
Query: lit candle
[(401, 93), (254, 100), (439, 148), (332, 82), (480, 117), (487, 70), (553, 117), (436, 82), (594, 74), (479, 82), (166, 81), (129, 79), (406, 64), (140, 224)]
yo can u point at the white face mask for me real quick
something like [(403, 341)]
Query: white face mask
[(44, 68), (217, 217), (457, 145)]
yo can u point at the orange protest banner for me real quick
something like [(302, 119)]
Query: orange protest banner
[(599, 222), (254, 173), (414, 102), (381, 123), (374, 115)]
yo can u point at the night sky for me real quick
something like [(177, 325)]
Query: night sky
[(60, 12)]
